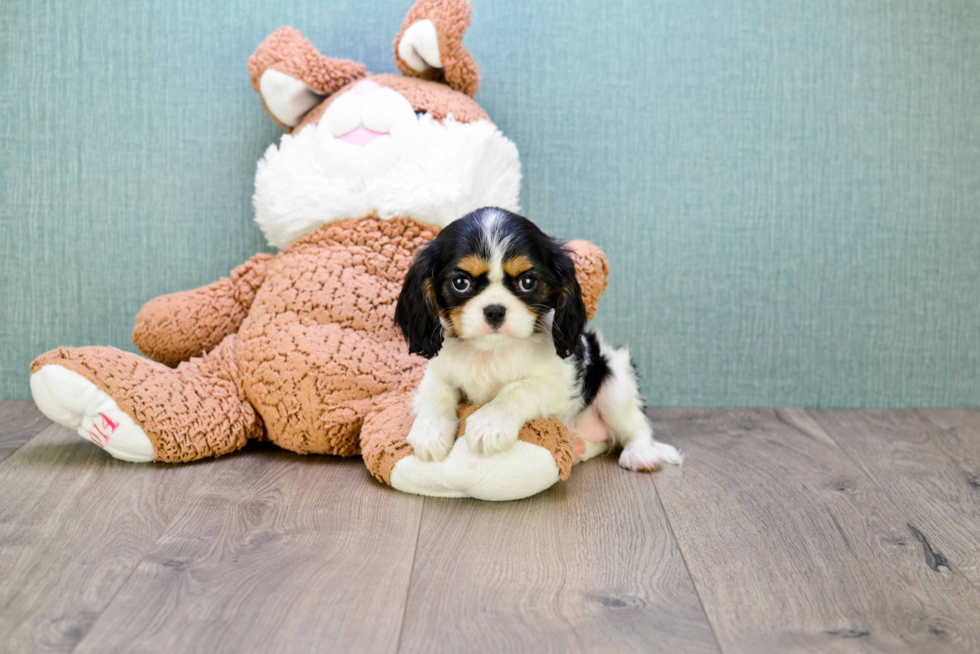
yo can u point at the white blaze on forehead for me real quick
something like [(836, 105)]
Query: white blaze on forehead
[(519, 321), (496, 241)]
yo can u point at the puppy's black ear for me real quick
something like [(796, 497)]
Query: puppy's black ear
[(417, 313), (569, 308)]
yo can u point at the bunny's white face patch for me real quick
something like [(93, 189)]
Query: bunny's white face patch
[(371, 153), (366, 113)]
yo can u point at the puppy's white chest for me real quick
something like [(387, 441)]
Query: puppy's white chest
[(486, 373), (481, 375)]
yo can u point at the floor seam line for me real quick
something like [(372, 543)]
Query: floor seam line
[(411, 574), (687, 568)]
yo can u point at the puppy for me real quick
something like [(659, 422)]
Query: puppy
[(494, 304)]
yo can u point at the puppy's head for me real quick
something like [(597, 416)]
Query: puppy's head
[(486, 278)]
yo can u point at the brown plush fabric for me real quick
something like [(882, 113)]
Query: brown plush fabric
[(592, 272), (451, 19), (300, 348), (175, 327), (383, 441), (319, 349), (383, 438), (426, 97), (193, 412), (439, 92), (315, 355), (286, 51)]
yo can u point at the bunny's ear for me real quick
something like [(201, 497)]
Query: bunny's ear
[(430, 45), (293, 77)]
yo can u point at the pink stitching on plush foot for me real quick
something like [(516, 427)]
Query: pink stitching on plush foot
[(103, 439)]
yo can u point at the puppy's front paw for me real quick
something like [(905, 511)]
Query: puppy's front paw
[(432, 437), (489, 431), (640, 455)]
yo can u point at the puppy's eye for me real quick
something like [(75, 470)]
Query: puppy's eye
[(527, 283), (461, 284)]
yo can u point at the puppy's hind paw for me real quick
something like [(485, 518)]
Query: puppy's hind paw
[(641, 456), (433, 437)]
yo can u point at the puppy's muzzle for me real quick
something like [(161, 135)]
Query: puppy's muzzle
[(494, 315)]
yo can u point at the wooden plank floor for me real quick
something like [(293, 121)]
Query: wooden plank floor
[(784, 531)]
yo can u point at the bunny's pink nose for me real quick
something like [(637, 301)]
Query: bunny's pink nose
[(365, 86)]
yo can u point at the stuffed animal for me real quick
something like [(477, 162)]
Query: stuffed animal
[(300, 348)]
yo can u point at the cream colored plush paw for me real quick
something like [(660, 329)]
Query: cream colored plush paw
[(72, 401)]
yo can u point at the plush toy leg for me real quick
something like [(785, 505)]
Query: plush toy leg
[(383, 442), (140, 410), (541, 457)]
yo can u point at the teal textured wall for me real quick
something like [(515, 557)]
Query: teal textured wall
[(788, 191)]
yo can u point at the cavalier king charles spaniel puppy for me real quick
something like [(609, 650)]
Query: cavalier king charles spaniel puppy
[(493, 302)]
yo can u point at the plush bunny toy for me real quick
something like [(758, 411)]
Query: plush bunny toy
[(300, 348)]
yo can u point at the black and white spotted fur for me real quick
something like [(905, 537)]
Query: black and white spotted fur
[(493, 302)]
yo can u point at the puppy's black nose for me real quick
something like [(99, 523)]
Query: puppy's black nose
[(494, 315)]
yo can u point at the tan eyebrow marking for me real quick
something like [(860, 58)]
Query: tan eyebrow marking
[(517, 265), (474, 264)]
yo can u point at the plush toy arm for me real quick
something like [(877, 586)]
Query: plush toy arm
[(175, 327), (292, 76), (520, 472), (592, 272)]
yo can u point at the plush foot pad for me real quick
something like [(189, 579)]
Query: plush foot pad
[(521, 471), (645, 456), (72, 401)]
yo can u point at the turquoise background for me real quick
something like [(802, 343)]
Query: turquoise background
[(788, 191)]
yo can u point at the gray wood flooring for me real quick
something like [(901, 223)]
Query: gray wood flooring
[(784, 531)]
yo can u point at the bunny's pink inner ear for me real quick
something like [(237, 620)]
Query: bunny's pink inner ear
[(430, 45), (293, 77)]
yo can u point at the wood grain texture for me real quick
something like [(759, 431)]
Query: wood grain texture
[(74, 523), (929, 464), (784, 531), (588, 566), (19, 422), (794, 549), (275, 553)]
